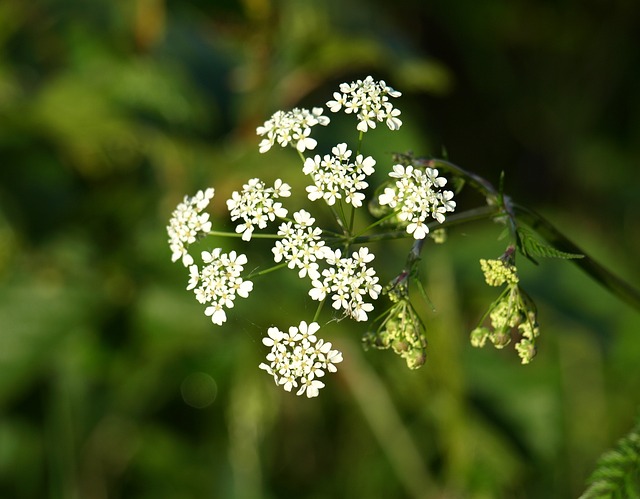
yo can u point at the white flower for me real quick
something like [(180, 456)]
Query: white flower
[(416, 196), (348, 281), (298, 358), (301, 246), (194, 277), (311, 386), (292, 127), (307, 332), (219, 282), (217, 314), (319, 290), (336, 105), (369, 101), (275, 336), (255, 205), (187, 223), (336, 177)]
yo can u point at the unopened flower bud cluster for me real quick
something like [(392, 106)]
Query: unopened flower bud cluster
[(402, 330), (498, 272), (512, 313)]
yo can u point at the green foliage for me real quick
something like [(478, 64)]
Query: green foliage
[(618, 471), (531, 246)]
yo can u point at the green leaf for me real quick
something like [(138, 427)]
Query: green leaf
[(618, 471), (531, 247)]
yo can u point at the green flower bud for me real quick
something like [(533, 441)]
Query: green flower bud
[(498, 272), (500, 338), (479, 336), (416, 358), (526, 350)]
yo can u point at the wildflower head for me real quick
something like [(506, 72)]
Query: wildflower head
[(513, 315), (369, 101), (348, 280), (291, 128), (498, 272), (337, 177), (301, 245), (256, 205), (219, 282), (417, 195), (298, 358), (401, 329), (187, 223)]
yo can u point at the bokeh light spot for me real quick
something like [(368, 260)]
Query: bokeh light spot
[(199, 390)]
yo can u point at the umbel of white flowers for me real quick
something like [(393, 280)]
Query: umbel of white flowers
[(412, 196)]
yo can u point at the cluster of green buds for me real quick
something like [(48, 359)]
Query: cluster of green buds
[(401, 328), (512, 315)]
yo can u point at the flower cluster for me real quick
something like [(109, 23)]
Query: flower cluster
[(416, 196), (299, 358), (512, 312), (348, 280), (369, 101), (291, 127), (335, 177), (300, 245), (218, 282), (255, 205), (402, 330), (498, 272), (410, 198), (186, 223)]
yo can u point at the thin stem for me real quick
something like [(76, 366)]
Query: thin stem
[(339, 220), (268, 270), (352, 219), (476, 181), (360, 138), (318, 310), (343, 217), (472, 215), (235, 234), (376, 223)]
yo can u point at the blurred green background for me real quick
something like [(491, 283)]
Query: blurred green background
[(114, 384)]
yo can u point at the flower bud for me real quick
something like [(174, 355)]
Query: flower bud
[(416, 358)]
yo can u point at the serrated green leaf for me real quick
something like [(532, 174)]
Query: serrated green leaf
[(531, 247), (618, 471)]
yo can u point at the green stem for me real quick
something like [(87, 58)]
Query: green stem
[(375, 224), (518, 213), (235, 234), (318, 310), (360, 137), (339, 220), (352, 219), (472, 215), (476, 181), (343, 217), (267, 271)]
